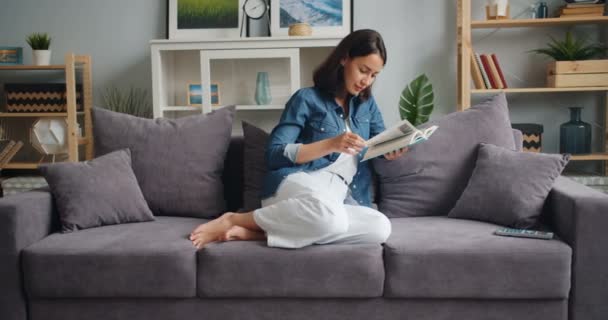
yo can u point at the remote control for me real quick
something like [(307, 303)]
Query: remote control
[(524, 233)]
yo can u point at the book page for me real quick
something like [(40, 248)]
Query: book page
[(401, 129), (398, 143)]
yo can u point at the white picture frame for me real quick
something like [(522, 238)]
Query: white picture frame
[(319, 29), (193, 33)]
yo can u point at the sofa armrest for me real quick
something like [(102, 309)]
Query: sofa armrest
[(25, 218), (579, 216)]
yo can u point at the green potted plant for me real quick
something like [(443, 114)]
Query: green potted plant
[(40, 43), (573, 64), (416, 102), (135, 101)]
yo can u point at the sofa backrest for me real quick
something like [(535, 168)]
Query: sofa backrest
[(233, 175), (233, 170)]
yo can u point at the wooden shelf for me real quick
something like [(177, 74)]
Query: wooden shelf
[(590, 157), (525, 23), (537, 90), (32, 67), (257, 107), (31, 114), (21, 165), (238, 108)]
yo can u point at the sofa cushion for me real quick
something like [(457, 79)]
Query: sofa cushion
[(439, 257), (178, 163), (252, 269), (430, 177), (135, 260), (254, 165), (508, 187), (102, 191)]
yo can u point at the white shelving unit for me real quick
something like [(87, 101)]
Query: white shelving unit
[(234, 64)]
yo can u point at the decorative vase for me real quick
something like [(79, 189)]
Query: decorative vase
[(575, 135), (42, 57), (262, 89)]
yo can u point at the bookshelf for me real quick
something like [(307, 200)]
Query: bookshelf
[(73, 63), (465, 25)]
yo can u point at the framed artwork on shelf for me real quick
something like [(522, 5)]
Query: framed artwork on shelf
[(195, 94), (10, 56), (204, 19), (327, 18)]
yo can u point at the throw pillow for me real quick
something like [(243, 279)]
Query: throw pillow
[(99, 192), (430, 177), (178, 162), (508, 187), (254, 165)]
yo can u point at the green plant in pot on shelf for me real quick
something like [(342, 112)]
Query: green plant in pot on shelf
[(574, 65), (134, 101), (40, 44), (416, 102)]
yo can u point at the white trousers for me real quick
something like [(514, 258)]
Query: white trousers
[(308, 208)]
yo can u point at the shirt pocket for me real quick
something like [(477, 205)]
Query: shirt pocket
[(322, 129), (362, 124)]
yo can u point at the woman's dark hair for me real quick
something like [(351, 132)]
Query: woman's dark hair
[(329, 76)]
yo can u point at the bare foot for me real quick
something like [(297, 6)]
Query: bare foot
[(211, 231), (240, 233)]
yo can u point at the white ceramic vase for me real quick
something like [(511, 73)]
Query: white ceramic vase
[(42, 57)]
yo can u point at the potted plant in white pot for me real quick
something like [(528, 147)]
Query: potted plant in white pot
[(40, 43), (574, 64)]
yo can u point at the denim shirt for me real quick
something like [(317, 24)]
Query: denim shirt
[(310, 116)]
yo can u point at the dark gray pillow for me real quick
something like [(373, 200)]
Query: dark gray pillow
[(99, 192), (254, 165), (178, 163), (431, 176), (508, 187)]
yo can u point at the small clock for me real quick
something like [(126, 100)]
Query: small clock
[(254, 10)]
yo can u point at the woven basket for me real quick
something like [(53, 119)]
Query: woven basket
[(39, 97), (300, 29), (532, 133)]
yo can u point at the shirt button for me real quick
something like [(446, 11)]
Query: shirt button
[(340, 116), (322, 129), (344, 130), (354, 186)]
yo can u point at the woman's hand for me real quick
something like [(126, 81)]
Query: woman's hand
[(348, 142), (395, 154)]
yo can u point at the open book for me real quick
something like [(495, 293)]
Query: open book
[(399, 136)]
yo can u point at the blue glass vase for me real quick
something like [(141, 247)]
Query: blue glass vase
[(262, 89), (575, 135)]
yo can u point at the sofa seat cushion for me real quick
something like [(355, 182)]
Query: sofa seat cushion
[(147, 259), (252, 269), (440, 257)]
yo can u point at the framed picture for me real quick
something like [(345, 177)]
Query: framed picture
[(10, 56), (195, 94), (204, 19), (327, 18)]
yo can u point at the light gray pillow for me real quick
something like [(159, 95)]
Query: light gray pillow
[(178, 163), (508, 187), (99, 192), (254, 165), (431, 176)]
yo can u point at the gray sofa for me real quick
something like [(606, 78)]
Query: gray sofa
[(430, 268)]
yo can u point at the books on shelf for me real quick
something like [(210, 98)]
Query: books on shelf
[(9, 150), (582, 10), (487, 67)]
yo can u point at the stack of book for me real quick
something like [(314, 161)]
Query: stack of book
[(582, 9), (486, 72), (8, 150)]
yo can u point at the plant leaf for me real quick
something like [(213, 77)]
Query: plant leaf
[(416, 101)]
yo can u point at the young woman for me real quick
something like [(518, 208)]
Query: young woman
[(317, 191)]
